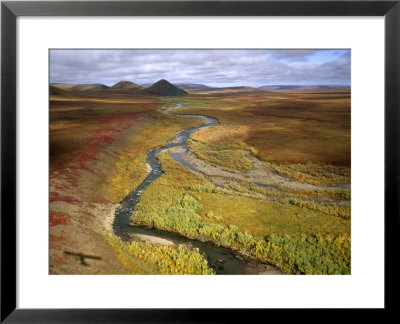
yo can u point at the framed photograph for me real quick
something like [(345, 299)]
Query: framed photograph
[(183, 161)]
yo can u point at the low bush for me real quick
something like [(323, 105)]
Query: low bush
[(296, 236), (148, 258)]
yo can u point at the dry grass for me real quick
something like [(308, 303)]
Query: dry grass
[(294, 127), (304, 134), (314, 173)]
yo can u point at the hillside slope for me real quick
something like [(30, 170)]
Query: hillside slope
[(165, 88)]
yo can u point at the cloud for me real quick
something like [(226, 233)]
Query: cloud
[(292, 55), (212, 67)]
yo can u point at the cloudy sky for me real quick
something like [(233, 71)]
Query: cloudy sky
[(211, 67)]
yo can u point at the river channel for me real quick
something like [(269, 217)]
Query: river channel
[(222, 260)]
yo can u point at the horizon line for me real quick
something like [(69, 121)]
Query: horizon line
[(213, 86)]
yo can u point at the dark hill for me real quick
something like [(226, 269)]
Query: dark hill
[(164, 88)]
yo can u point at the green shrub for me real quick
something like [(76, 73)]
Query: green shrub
[(160, 259)]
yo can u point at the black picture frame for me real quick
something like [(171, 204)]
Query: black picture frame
[(10, 10)]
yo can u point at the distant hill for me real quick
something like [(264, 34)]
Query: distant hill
[(86, 87), (164, 88), (63, 86), (80, 87), (229, 90), (126, 85), (239, 88), (192, 86), (302, 87)]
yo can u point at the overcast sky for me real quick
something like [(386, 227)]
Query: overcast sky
[(211, 67)]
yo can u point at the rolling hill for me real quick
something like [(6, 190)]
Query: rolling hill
[(126, 85), (80, 87), (54, 91)]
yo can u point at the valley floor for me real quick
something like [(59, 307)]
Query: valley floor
[(272, 185)]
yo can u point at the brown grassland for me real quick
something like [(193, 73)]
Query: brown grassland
[(98, 146)]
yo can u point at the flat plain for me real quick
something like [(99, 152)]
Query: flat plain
[(269, 181)]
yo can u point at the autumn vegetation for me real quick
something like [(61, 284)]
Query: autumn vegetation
[(98, 146), (147, 258), (296, 236)]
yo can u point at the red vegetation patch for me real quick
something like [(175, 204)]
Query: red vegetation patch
[(60, 258), (114, 123), (56, 241), (69, 171), (55, 196), (104, 138), (58, 219)]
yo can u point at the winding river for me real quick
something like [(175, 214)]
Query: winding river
[(222, 260)]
